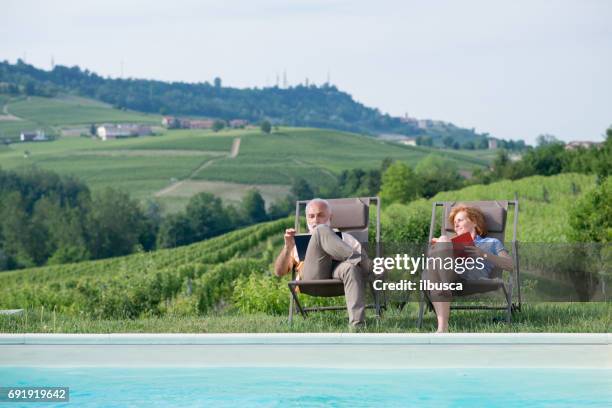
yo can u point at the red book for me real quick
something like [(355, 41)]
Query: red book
[(460, 242)]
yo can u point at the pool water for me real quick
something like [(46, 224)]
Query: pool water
[(311, 387)]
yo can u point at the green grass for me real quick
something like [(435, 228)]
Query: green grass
[(12, 129), (315, 154), (542, 318), (74, 111), (51, 113), (109, 164)]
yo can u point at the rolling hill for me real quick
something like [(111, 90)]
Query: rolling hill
[(177, 164), (323, 106), (52, 114)]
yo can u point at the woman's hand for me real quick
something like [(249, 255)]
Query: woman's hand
[(474, 252), (442, 238)]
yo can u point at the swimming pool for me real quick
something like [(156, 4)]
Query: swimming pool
[(225, 387), (350, 370)]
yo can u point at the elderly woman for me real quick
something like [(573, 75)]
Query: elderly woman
[(490, 250)]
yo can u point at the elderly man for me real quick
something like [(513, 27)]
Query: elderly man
[(324, 247)]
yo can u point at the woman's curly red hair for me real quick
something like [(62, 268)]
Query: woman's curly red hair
[(473, 214)]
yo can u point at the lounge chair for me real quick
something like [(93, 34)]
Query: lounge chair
[(352, 216), (495, 213)]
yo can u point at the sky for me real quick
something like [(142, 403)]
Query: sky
[(515, 69)]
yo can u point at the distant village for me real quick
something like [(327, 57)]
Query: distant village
[(173, 122), (111, 131)]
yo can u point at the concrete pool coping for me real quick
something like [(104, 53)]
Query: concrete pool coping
[(330, 350)]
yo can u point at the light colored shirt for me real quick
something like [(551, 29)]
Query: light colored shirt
[(491, 245)]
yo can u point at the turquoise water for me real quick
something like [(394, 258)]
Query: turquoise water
[(269, 387)]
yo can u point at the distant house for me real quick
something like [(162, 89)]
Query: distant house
[(424, 123), (409, 141), (108, 132), (409, 120), (171, 122), (576, 144), (492, 143), (201, 123), (33, 136), (238, 123)]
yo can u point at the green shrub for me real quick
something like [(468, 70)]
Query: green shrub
[(261, 294), (218, 284), (590, 219), (401, 223)]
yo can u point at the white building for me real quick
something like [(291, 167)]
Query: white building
[(108, 132), (409, 141), (576, 144), (37, 136)]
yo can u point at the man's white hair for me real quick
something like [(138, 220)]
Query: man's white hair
[(319, 201)]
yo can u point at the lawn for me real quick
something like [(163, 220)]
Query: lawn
[(542, 318)]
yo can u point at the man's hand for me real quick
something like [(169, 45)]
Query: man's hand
[(289, 238), (284, 261)]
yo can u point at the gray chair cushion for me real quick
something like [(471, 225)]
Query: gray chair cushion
[(495, 213), (349, 214)]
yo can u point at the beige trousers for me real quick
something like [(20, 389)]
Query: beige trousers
[(324, 248)]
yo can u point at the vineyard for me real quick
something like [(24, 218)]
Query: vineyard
[(229, 275), (544, 202), (146, 283), (144, 166)]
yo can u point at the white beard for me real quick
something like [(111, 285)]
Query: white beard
[(311, 227)]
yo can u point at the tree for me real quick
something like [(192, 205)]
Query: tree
[(254, 207), (448, 141), (115, 224), (546, 139), (424, 141), (590, 218), (483, 143), (19, 238), (437, 174), (265, 127), (301, 190), (175, 230), (207, 216), (399, 184), (469, 145), (218, 125), (387, 161), (546, 159), (281, 207), (217, 82)]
